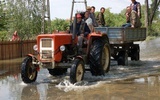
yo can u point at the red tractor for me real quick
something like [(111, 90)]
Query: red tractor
[(58, 51)]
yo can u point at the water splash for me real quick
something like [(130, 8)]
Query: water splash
[(23, 84), (66, 86)]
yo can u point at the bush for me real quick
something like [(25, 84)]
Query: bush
[(3, 35), (154, 30), (59, 24)]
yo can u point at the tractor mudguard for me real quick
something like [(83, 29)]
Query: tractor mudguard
[(35, 60), (30, 55), (91, 37), (98, 34), (80, 57)]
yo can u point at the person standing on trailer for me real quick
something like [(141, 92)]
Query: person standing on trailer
[(92, 16), (100, 17), (135, 14)]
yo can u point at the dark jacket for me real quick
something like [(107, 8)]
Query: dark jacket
[(100, 19), (81, 28), (92, 16)]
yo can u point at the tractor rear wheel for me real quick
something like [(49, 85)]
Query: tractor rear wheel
[(28, 70), (99, 57), (77, 71)]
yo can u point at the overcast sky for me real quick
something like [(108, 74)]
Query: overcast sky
[(62, 8)]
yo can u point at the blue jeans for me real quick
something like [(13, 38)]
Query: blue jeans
[(126, 25)]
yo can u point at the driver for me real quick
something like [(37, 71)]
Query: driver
[(82, 31)]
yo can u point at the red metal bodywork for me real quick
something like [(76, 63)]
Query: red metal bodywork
[(60, 39)]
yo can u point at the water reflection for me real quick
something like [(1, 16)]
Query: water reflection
[(142, 88), (9, 77), (10, 68), (30, 92), (34, 92)]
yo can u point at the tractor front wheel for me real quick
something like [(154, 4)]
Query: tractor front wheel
[(28, 70), (77, 71)]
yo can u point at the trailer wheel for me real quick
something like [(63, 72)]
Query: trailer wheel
[(135, 53), (122, 58), (135, 56), (57, 71), (28, 70), (99, 57), (77, 71)]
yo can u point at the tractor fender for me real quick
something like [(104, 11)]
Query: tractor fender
[(35, 60), (98, 34), (30, 55), (33, 57), (91, 37)]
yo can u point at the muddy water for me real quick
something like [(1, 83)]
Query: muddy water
[(138, 80)]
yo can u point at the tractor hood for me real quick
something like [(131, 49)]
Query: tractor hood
[(49, 45), (60, 38)]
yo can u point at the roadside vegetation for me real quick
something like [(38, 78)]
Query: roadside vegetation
[(24, 16)]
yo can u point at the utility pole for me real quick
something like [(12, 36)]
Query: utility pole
[(46, 17), (73, 2)]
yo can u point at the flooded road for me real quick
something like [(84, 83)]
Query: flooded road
[(140, 80)]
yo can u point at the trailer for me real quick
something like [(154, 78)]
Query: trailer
[(122, 42)]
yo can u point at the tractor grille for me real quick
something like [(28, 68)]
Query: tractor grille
[(46, 54), (46, 49), (46, 42)]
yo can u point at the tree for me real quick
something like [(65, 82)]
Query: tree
[(60, 25), (24, 16), (152, 15), (2, 15), (151, 12)]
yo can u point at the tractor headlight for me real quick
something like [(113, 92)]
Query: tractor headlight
[(35, 47), (62, 48)]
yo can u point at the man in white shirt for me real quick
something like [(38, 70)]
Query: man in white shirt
[(88, 20)]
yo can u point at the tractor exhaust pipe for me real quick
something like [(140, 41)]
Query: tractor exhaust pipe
[(74, 27)]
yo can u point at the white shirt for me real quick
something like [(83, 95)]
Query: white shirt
[(89, 21)]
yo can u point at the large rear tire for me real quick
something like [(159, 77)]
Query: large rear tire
[(77, 71), (99, 57), (28, 70)]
